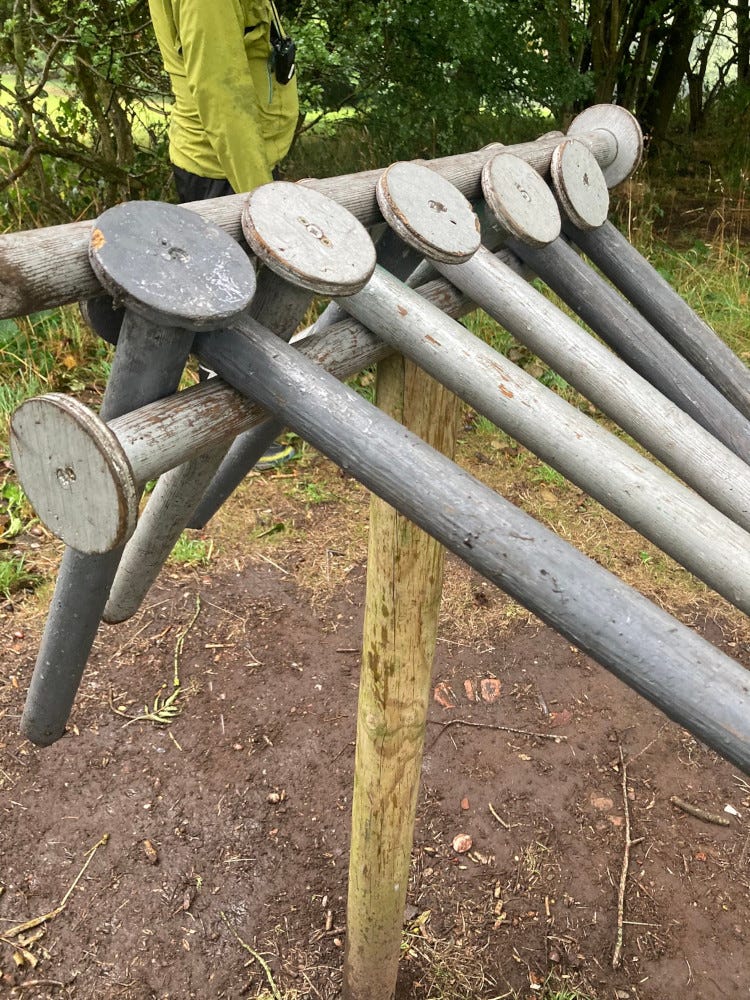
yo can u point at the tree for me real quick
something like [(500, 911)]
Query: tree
[(84, 82)]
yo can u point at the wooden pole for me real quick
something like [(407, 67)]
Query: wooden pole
[(404, 584), (174, 274), (45, 268)]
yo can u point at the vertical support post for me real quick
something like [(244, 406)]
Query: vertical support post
[(404, 584)]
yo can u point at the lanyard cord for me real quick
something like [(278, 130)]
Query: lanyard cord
[(277, 20)]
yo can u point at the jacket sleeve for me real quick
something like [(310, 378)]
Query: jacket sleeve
[(211, 33)]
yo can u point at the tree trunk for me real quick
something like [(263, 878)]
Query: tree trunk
[(673, 64), (742, 12)]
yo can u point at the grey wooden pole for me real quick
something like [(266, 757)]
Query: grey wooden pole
[(173, 502), (395, 257), (45, 268), (663, 510), (681, 523), (691, 681), (175, 274), (684, 675), (648, 291), (111, 462), (526, 205), (613, 318)]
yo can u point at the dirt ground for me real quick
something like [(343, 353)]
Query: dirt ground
[(208, 857)]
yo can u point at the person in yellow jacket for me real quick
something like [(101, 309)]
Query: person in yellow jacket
[(232, 121)]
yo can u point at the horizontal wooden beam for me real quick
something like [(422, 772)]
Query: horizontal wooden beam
[(45, 268)]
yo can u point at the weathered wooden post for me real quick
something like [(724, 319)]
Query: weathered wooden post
[(404, 586), (611, 316), (175, 274)]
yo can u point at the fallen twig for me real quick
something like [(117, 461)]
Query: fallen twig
[(258, 958), (617, 954), (30, 983), (489, 725), (28, 925), (707, 817), (498, 818)]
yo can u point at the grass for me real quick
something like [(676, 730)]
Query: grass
[(191, 551), (50, 351), (14, 576), (16, 515)]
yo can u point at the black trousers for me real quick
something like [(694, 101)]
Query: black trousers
[(191, 187)]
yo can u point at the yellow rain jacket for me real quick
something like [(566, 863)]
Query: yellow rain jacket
[(230, 117)]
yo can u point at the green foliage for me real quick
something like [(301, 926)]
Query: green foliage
[(14, 576), (546, 474), (312, 493), (82, 113), (714, 279), (191, 551), (428, 79), (15, 511)]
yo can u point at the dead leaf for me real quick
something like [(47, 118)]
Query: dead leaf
[(559, 719), (444, 695), (152, 855), (601, 803), (462, 843), (490, 687)]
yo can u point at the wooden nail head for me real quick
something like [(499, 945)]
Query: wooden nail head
[(74, 472), (308, 239), (428, 212), (520, 200), (171, 266), (625, 131), (579, 184)]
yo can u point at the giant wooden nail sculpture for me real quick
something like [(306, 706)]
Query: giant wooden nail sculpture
[(175, 274)]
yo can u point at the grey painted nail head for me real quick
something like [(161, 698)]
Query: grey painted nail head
[(166, 263), (308, 239), (520, 200), (579, 184), (441, 223)]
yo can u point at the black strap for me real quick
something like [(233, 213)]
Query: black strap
[(277, 21)]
